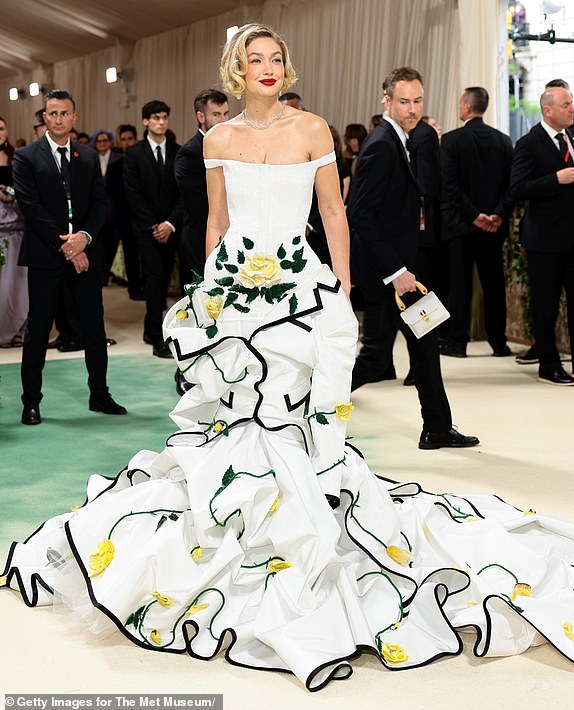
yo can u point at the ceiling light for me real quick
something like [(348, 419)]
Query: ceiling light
[(231, 31), (34, 89)]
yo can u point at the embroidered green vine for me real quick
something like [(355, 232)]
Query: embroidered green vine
[(228, 477), (398, 554), (137, 618), (397, 623)]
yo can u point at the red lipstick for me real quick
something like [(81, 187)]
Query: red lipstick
[(268, 82)]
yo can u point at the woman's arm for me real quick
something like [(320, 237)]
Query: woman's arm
[(218, 217), (331, 206)]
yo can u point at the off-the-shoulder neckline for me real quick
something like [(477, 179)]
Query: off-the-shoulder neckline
[(277, 165)]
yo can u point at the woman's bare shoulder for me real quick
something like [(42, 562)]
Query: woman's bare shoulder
[(317, 133), (218, 139)]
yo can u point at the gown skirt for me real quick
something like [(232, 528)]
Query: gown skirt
[(259, 531)]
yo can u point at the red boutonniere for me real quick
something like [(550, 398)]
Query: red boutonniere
[(76, 154)]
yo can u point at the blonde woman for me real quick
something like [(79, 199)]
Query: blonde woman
[(227, 539)]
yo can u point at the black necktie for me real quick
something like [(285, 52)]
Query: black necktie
[(564, 149), (159, 159), (410, 148), (65, 171)]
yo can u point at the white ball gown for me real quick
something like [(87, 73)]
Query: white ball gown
[(226, 540)]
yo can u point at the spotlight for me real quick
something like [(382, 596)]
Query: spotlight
[(14, 94), (111, 75)]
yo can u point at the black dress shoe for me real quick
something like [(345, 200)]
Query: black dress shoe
[(530, 357), (53, 344), (452, 439), (111, 341), (558, 376), (504, 351), (181, 384), (409, 380), (358, 380), (106, 405), (70, 347), (147, 340), (162, 350), (452, 349), (31, 414)]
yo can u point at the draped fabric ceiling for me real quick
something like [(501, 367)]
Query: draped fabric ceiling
[(341, 48)]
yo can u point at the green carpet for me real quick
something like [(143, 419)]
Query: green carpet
[(44, 469)]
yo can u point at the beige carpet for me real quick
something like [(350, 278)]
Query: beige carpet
[(525, 457)]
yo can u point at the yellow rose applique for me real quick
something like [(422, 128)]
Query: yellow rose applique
[(156, 637), (273, 508), (181, 314), (344, 411), (195, 608), (260, 270), (196, 553), (521, 590), (278, 565), (393, 653), (213, 306), (567, 626), (218, 427), (162, 599), (400, 555), (101, 558)]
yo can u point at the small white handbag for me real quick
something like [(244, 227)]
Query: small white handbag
[(425, 314)]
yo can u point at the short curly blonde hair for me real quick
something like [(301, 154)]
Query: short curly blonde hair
[(234, 61)]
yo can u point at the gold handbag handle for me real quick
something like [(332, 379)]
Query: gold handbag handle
[(423, 289)]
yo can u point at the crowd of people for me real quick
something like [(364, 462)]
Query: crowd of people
[(464, 183)]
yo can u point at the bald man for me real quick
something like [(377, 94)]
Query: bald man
[(543, 173)]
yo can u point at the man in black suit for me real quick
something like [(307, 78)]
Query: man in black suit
[(210, 109), (155, 206), (387, 213), (543, 174), (60, 191), (476, 205)]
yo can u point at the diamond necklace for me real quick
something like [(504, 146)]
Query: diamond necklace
[(262, 126)]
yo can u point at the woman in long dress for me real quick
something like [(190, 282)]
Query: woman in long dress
[(258, 530)]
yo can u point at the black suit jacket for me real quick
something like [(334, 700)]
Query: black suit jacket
[(476, 161), (151, 198), (547, 223), (384, 209), (191, 181), (42, 199), (426, 158)]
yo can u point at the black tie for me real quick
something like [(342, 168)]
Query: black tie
[(410, 148), (564, 149), (65, 171), (159, 159)]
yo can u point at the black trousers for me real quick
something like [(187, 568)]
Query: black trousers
[(45, 288), (548, 274), (157, 263), (486, 252), (381, 321)]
